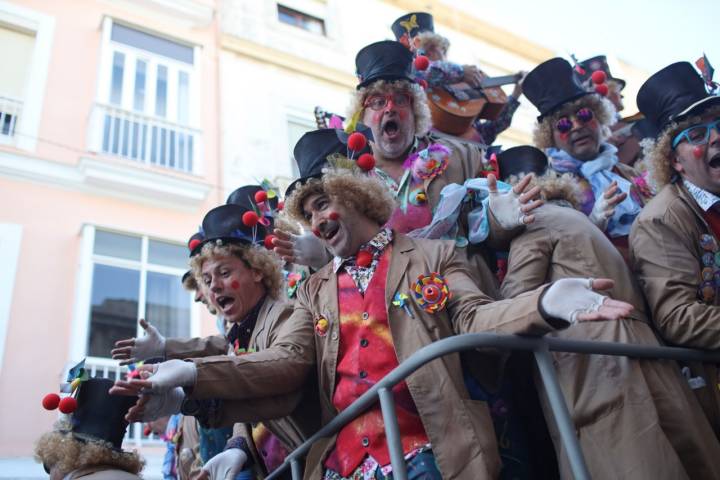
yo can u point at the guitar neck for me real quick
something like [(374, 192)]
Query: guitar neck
[(497, 81)]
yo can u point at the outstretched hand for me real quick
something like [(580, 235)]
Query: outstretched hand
[(136, 349), (576, 300), (512, 209), (305, 249)]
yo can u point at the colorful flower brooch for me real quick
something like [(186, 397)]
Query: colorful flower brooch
[(321, 326), (429, 162), (293, 282), (432, 292)]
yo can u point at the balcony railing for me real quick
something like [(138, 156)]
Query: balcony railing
[(145, 139), (10, 109)]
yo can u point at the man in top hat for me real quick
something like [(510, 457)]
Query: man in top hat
[(382, 298), (641, 409), (87, 443), (573, 128), (675, 239), (613, 86), (417, 32)]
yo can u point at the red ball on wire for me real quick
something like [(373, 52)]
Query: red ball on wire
[(67, 405), (193, 243), (598, 77), (268, 242), (366, 162), (602, 89), (356, 141), (422, 62), (260, 196), (51, 401), (250, 219), (363, 259)]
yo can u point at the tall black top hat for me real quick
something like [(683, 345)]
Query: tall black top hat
[(411, 24), (674, 93), (593, 65), (385, 60), (99, 415), (245, 197), (523, 159), (233, 224), (313, 149), (552, 84)]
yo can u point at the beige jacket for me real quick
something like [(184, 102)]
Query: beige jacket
[(635, 419), (665, 254), (101, 472), (459, 429)]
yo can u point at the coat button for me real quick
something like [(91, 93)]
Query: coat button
[(334, 336), (364, 342), (365, 315), (365, 441), (363, 374)]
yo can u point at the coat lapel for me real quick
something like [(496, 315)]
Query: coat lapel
[(399, 260), (259, 333)]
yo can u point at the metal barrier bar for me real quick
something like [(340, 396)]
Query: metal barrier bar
[(296, 469), (472, 341), (392, 433)]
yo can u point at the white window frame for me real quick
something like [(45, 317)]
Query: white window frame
[(301, 118), (10, 238), (81, 315), (42, 27)]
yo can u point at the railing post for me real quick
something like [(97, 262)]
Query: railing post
[(560, 412), (296, 469), (392, 434)]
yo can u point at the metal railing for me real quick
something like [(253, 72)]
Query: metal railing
[(145, 139), (539, 346), (10, 109)]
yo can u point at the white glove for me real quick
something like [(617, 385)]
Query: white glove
[(505, 207), (132, 350), (171, 374), (600, 214), (226, 465), (569, 297), (163, 404), (310, 251)]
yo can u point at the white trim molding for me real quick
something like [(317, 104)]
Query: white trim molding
[(119, 179), (10, 236), (193, 13)]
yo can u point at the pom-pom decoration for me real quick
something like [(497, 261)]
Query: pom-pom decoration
[(431, 292), (51, 401), (421, 62), (366, 162), (250, 219), (67, 405), (193, 244), (363, 259), (598, 77), (602, 89), (356, 141), (268, 242), (261, 196)]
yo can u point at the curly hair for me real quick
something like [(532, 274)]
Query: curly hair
[(427, 40), (190, 283), (66, 453), (365, 194), (659, 153), (553, 186), (255, 257), (602, 108), (420, 105)]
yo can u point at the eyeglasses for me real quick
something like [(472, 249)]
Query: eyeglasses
[(564, 124), (378, 102), (697, 134)]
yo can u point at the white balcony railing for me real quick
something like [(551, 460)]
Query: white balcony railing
[(146, 139), (10, 109), (106, 368)]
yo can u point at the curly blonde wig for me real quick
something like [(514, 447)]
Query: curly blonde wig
[(659, 154), (256, 258), (420, 105), (429, 40), (362, 193), (189, 283), (554, 186), (65, 453), (601, 107)]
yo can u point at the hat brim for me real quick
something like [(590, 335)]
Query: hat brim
[(299, 183), (558, 106), (620, 81), (697, 107), (390, 78)]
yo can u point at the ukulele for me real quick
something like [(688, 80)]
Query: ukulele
[(454, 107)]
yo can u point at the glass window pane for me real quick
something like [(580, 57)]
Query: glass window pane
[(139, 100), (183, 98), (114, 308), (117, 78), (116, 245), (167, 305), (152, 43), (168, 254), (161, 91)]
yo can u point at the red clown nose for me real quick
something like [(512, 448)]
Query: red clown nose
[(698, 151), (334, 215)]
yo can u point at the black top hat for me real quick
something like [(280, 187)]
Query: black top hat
[(99, 415), (245, 197), (313, 149), (674, 93), (593, 65), (552, 84), (226, 224), (412, 23), (385, 60), (644, 128), (523, 159)]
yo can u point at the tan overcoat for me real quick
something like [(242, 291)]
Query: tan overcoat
[(666, 257), (635, 419), (460, 429)]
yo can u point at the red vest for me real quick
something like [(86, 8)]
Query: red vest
[(712, 217), (365, 355)]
